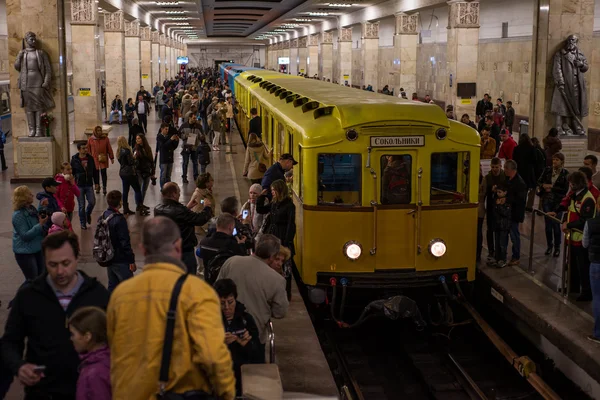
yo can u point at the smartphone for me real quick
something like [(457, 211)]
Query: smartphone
[(202, 201), (245, 214), (38, 369), (234, 232), (43, 214)]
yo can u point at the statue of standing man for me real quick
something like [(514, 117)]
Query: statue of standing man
[(35, 76), (569, 100)]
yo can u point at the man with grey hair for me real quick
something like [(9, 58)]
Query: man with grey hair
[(200, 359), (516, 197), (260, 287)]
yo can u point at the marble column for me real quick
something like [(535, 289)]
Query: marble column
[(168, 60), (146, 57), (313, 55), (294, 59), (133, 78), (462, 52), (406, 40), (37, 157), (302, 54), (285, 52), (555, 21), (86, 75), (370, 54), (344, 59), (162, 57), (267, 64), (326, 70), (154, 60), (114, 55)]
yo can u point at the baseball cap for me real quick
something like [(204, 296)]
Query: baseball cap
[(49, 182), (288, 156)]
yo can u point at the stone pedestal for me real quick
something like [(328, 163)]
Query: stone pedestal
[(162, 58), (313, 55), (114, 56), (462, 52), (574, 150), (344, 58), (405, 51), (35, 159), (133, 77), (555, 21), (302, 54), (155, 59), (326, 69), (146, 57), (370, 54)]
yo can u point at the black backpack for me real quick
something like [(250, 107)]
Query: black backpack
[(211, 271)]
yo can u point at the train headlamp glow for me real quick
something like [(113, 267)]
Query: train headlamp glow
[(352, 250), (437, 248)]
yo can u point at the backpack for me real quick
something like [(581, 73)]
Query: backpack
[(103, 250), (211, 271)]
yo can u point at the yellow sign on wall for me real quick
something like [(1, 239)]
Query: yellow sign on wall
[(465, 101), (346, 77), (85, 92), (144, 76)]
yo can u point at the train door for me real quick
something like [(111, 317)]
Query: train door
[(396, 208), (5, 111)]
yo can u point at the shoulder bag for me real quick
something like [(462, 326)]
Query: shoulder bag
[(167, 350), (262, 168)]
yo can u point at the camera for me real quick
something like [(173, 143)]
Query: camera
[(43, 214), (245, 214)]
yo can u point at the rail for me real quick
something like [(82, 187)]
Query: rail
[(374, 205), (419, 208), (271, 342), (565, 278)]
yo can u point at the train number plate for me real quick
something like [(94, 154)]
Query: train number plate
[(497, 295), (397, 141)]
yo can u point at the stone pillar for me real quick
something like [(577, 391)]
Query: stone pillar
[(86, 76), (405, 50), (326, 70), (370, 54), (114, 56), (285, 52), (294, 59), (313, 55), (344, 59), (155, 58), (555, 21), (37, 157), (146, 57), (302, 54), (162, 57), (133, 78), (168, 61), (462, 52)]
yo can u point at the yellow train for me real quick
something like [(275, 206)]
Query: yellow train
[(385, 189)]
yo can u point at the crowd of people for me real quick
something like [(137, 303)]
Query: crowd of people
[(77, 332)]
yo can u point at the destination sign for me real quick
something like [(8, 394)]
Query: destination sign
[(397, 141)]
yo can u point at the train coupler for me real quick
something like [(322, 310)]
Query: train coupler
[(524, 365)]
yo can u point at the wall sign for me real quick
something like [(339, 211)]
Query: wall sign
[(144, 76), (85, 92), (397, 141)]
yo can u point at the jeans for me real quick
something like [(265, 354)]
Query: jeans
[(110, 117), (3, 159), (501, 239), (216, 139), (135, 185), (479, 238), (117, 273), (32, 265), (143, 119), (86, 192), (189, 259), (144, 183), (553, 231), (6, 378), (165, 174), (595, 286), (580, 271), (203, 168), (490, 235), (185, 155), (204, 124), (97, 173), (515, 238)]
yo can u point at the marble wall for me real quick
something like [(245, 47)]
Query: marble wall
[(133, 77), (431, 70), (594, 80), (387, 69), (114, 47), (155, 65), (357, 69), (146, 67)]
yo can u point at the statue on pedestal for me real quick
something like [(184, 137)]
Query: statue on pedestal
[(35, 76), (569, 100)]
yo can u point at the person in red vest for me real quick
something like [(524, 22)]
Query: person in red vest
[(507, 147)]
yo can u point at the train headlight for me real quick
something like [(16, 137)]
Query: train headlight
[(437, 248), (352, 250)]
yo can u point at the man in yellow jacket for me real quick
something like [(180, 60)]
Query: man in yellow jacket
[(137, 316)]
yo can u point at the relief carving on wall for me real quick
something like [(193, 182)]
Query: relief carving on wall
[(162, 39), (302, 41), (526, 67), (145, 33), (114, 22), (510, 66), (371, 30), (495, 66), (463, 14), (327, 37), (294, 43), (285, 44), (84, 12), (407, 24), (345, 35), (313, 40), (132, 29), (155, 37), (482, 65), (597, 108)]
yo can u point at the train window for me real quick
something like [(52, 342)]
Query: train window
[(4, 100), (290, 143), (396, 174), (450, 178), (339, 179), (281, 138)]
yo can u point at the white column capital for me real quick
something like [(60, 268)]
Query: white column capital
[(84, 12), (463, 14), (114, 22), (406, 24), (370, 30), (345, 35), (155, 36), (132, 29), (146, 33), (327, 38)]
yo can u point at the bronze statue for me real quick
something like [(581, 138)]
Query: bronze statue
[(35, 76), (569, 100)]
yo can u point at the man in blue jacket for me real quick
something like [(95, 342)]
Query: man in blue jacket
[(48, 202), (83, 167), (166, 143), (122, 266), (277, 171)]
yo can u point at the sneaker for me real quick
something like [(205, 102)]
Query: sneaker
[(513, 262), (83, 227), (556, 252), (548, 251), (501, 264), (490, 259), (89, 219), (594, 339), (492, 263), (185, 180)]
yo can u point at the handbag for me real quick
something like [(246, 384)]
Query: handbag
[(102, 158), (262, 168), (167, 350)]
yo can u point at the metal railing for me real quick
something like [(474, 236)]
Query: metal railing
[(271, 342)]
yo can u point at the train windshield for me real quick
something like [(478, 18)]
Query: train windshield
[(340, 177), (396, 173), (450, 178)]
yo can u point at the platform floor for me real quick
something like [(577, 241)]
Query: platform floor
[(299, 356)]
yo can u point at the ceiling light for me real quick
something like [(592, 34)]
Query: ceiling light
[(166, 3), (177, 18), (339, 5), (302, 19), (318, 14), (180, 23), (175, 12), (186, 27)]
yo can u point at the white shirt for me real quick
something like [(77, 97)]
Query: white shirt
[(141, 108)]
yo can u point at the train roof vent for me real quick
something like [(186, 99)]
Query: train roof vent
[(279, 91), (322, 111), (311, 105), (274, 88), (300, 101), (251, 77), (285, 94), (257, 79), (291, 98), (263, 84), (268, 86)]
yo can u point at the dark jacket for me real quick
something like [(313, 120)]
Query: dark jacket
[(540, 161), (144, 163), (146, 95), (204, 153), (185, 218), (119, 237), (255, 126), (146, 107), (166, 147), (281, 220), (559, 188), (517, 197), (509, 118), (525, 158), (117, 105), (84, 177), (502, 216), (127, 170), (593, 231), (166, 110), (134, 130), (552, 145), (490, 182), (272, 174), (220, 241), (37, 315), (129, 111), (50, 208), (482, 107)]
